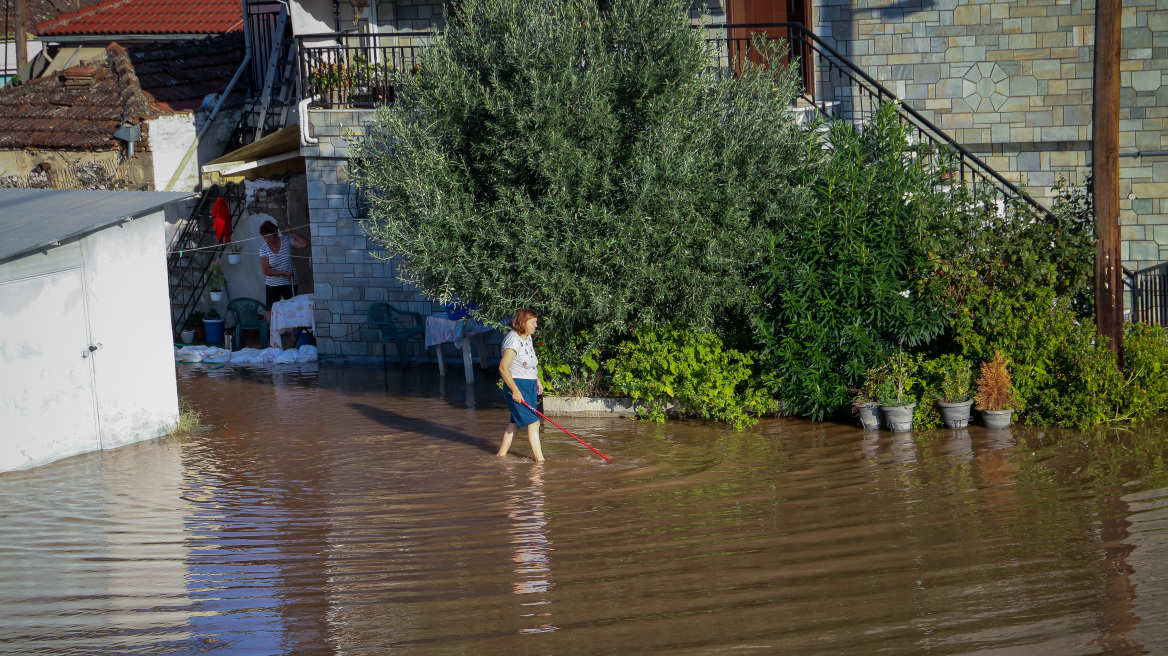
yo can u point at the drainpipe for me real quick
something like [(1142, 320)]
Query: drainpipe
[(306, 138), (206, 126)]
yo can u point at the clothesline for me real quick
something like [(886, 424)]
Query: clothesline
[(237, 241)]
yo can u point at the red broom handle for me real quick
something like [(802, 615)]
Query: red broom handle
[(606, 458)]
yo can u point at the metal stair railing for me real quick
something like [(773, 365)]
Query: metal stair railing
[(1149, 294), (841, 90), (193, 249)]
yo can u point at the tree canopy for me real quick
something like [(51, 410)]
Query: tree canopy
[(591, 164)]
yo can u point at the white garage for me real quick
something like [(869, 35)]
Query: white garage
[(86, 360)]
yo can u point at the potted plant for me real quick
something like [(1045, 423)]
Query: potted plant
[(865, 403), (329, 79), (213, 325), (217, 281), (195, 322), (233, 253), (894, 392), (995, 393), (953, 376)]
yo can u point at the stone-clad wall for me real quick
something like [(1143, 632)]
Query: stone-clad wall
[(1011, 81), (349, 276)]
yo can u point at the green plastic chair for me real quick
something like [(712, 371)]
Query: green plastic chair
[(246, 311), (397, 326)]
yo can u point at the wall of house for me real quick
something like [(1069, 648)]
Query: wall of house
[(350, 272), (169, 136), (1011, 81), (57, 397), (18, 165)]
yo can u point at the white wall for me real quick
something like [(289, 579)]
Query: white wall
[(171, 135), (57, 398), (129, 315)]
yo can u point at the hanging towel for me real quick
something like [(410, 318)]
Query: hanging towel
[(222, 220)]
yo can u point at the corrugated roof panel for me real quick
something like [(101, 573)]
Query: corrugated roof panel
[(31, 219)]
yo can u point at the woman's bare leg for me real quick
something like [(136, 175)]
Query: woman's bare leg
[(511, 430), (533, 436)]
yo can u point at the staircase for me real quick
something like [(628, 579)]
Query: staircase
[(193, 249), (841, 90), (274, 104)]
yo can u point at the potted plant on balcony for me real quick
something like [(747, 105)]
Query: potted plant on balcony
[(233, 253), (217, 281), (329, 79), (952, 376), (995, 392), (895, 392)]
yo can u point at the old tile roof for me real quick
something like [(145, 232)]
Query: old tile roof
[(40, 11), (81, 107), (179, 74), (77, 110), (118, 17)]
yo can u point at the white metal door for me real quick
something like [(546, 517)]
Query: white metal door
[(47, 400)]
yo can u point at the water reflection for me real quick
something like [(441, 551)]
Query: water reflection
[(532, 558)]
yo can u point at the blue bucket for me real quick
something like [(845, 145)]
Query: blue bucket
[(214, 330)]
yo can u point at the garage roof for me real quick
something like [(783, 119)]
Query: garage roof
[(34, 219)]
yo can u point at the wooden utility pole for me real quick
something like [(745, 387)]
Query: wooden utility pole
[(1105, 172), (21, 36)]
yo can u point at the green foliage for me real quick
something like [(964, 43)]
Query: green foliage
[(194, 320), (217, 280), (571, 364), (845, 283), (898, 380), (692, 370), (984, 244), (1145, 367), (1063, 372), (947, 378), (587, 164)]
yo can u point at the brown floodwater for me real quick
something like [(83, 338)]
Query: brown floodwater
[(339, 510)]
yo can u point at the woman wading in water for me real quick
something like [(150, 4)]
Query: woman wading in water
[(519, 370)]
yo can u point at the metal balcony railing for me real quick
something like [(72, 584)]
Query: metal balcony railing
[(356, 70)]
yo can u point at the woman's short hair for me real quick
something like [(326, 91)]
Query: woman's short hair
[(519, 323), (269, 228)]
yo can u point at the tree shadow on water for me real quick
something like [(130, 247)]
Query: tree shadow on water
[(425, 427)]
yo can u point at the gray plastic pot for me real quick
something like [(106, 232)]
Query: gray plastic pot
[(956, 415), (869, 416), (997, 418), (899, 418)]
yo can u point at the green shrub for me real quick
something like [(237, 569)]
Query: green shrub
[(571, 364), (691, 369), (587, 164), (1063, 372), (1145, 368), (846, 283)]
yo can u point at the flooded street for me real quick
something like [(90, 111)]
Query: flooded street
[(334, 510)]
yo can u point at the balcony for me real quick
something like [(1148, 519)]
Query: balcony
[(356, 70), (352, 70)]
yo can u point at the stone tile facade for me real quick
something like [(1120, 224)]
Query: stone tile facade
[(1011, 81), (349, 271)]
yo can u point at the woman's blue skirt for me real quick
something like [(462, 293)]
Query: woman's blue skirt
[(521, 415)]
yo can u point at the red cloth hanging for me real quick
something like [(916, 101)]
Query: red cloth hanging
[(222, 220)]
